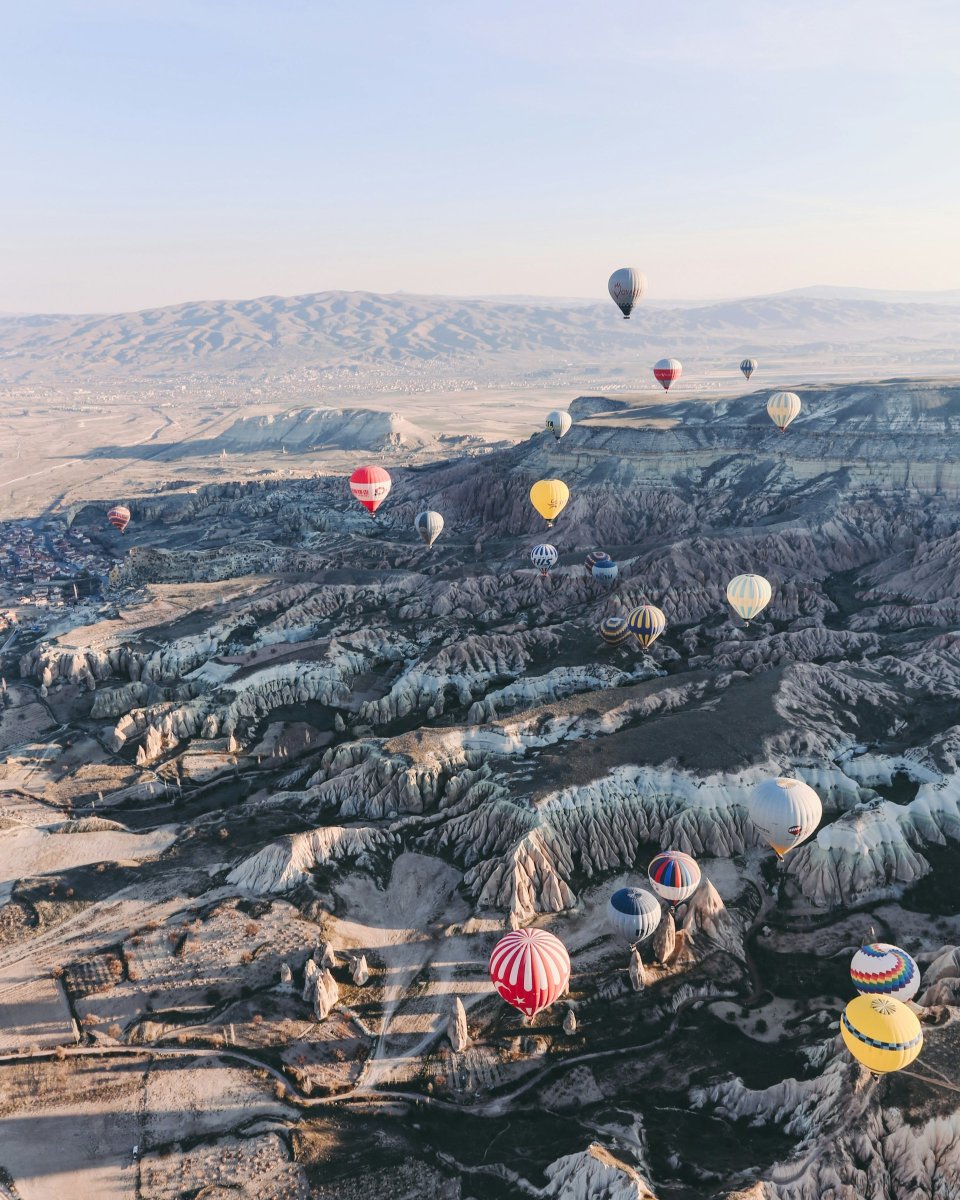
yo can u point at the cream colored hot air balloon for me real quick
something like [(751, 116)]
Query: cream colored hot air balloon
[(429, 525), (748, 595), (626, 286), (783, 407), (549, 497), (784, 812), (559, 422)]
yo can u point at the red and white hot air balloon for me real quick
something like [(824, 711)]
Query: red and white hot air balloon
[(667, 371), (370, 486), (530, 968)]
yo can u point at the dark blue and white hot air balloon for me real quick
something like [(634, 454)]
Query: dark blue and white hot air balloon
[(634, 913)]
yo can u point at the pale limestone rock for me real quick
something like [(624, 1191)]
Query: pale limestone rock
[(665, 938), (637, 976), (359, 971), (457, 1030)]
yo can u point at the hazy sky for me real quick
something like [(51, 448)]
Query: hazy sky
[(153, 151)]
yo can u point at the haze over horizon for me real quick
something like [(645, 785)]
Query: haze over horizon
[(155, 154)]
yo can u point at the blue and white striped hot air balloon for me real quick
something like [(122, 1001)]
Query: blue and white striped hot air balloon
[(782, 408), (544, 557), (606, 570), (748, 366), (646, 623), (634, 913), (748, 595)]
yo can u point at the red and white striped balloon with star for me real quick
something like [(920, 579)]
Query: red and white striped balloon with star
[(530, 968)]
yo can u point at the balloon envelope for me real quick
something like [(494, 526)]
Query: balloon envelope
[(667, 371), (748, 595), (429, 525), (783, 407), (646, 624), (626, 286), (881, 1033), (559, 423), (119, 517), (634, 913), (748, 366), (530, 968), (544, 557), (593, 558), (370, 486), (880, 969), (674, 875), (784, 812), (606, 570), (549, 497), (615, 630)]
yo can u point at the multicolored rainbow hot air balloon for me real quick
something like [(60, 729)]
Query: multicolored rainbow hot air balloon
[(674, 875), (593, 558), (634, 913), (530, 968), (881, 1033), (615, 630), (370, 485), (646, 624), (880, 969)]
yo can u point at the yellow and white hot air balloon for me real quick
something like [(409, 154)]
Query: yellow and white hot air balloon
[(783, 407), (646, 623), (881, 1033), (748, 595), (549, 497)]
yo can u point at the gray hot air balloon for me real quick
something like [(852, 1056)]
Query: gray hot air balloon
[(429, 525), (626, 286), (559, 422)]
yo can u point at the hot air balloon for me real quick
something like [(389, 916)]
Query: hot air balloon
[(748, 366), (530, 968), (429, 525), (593, 558), (881, 1033), (880, 969), (626, 286), (119, 517), (559, 422), (606, 570), (784, 812), (783, 407), (615, 630), (370, 486), (646, 624), (748, 595), (666, 372), (674, 875), (634, 913), (549, 497), (544, 557)]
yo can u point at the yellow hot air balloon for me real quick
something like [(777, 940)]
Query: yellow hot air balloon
[(881, 1032), (549, 497)]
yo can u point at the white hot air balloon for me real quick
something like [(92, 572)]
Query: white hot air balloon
[(626, 286), (783, 407), (784, 812), (748, 595), (544, 557), (429, 525), (559, 422)]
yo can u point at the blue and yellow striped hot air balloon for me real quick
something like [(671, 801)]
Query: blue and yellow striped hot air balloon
[(881, 1032), (674, 875), (748, 595), (615, 630), (880, 969), (646, 624)]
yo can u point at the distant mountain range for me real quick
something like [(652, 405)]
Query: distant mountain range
[(390, 339)]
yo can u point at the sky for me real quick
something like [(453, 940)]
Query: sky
[(160, 151)]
